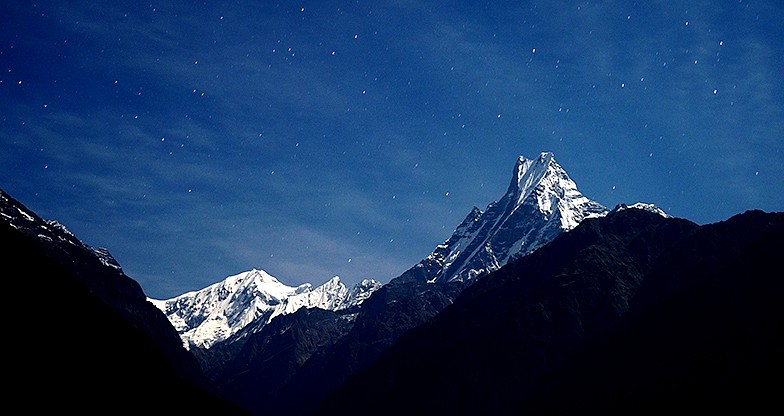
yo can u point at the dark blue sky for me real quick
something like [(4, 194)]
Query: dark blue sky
[(321, 138)]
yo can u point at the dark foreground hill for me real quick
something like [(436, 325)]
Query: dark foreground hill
[(80, 335), (629, 314)]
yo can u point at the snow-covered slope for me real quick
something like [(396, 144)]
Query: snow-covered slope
[(213, 314), (540, 203)]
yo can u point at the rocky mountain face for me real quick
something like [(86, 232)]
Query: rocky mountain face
[(84, 338), (633, 313)]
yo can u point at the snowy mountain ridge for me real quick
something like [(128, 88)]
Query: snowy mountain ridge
[(215, 313)]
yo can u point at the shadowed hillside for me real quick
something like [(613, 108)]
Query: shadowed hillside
[(629, 314)]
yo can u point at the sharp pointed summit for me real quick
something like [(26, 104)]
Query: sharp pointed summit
[(527, 173), (541, 203)]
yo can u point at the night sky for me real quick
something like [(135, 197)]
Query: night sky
[(196, 140)]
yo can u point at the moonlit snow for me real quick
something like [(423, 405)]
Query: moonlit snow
[(215, 313)]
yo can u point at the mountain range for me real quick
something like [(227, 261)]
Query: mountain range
[(541, 202), (545, 302)]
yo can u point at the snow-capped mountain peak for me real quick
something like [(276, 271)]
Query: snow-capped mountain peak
[(215, 313), (540, 203)]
